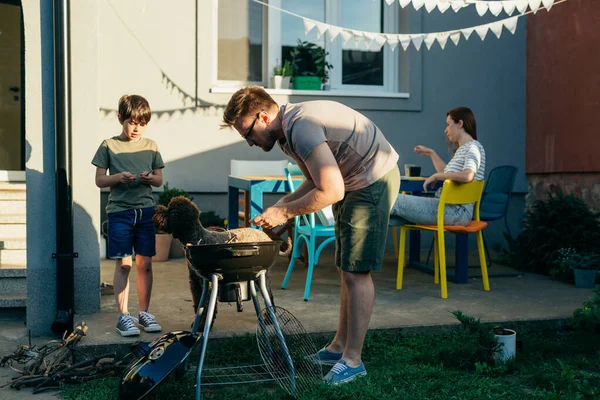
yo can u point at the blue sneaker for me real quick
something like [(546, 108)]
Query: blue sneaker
[(325, 357), (341, 373)]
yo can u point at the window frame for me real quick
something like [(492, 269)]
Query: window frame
[(272, 53)]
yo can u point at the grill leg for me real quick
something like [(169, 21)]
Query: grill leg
[(211, 309)]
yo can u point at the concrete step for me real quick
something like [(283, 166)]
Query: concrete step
[(13, 256), (13, 244), (13, 301), (18, 230), (18, 206), (13, 219), (13, 287)]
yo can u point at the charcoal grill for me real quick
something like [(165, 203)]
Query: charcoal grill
[(236, 269)]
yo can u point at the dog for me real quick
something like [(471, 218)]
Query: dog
[(182, 219)]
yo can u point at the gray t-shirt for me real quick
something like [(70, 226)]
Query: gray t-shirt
[(117, 155), (359, 147)]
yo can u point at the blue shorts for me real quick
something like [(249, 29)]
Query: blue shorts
[(131, 230)]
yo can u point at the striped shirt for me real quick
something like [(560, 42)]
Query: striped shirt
[(470, 155)]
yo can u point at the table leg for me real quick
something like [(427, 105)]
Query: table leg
[(256, 202), (232, 213), (462, 258)]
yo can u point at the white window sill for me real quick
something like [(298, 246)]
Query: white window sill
[(324, 93)]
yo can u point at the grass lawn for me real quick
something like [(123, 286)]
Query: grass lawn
[(455, 365)]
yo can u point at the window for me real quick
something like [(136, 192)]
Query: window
[(252, 39)]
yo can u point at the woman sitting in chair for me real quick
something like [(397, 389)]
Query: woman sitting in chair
[(467, 164)]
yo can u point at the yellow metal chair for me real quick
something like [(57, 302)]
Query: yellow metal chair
[(452, 193)]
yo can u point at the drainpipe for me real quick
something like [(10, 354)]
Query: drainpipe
[(65, 298)]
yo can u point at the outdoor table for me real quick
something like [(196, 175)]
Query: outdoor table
[(257, 186)]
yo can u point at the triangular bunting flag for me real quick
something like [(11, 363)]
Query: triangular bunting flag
[(511, 24), (369, 38), (404, 41), (482, 31), (389, 2), (380, 41), (496, 27), (509, 7), (457, 5), (417, 4), (429, 39), (321, 29), (535, 5), (442, 39), (417, 41), (548, 4), (443, 6), (392, 41), (521, 5), (430, 5), (496, 8), (308, 25), (455, 37), (404, 3), (357, 36), (467, 32), (334, 31), (345, 35), (481, 7)]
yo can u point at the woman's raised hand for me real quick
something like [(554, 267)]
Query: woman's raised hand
[(422, 150)]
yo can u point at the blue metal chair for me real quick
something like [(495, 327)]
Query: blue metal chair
[(307, 228), (496, 199)]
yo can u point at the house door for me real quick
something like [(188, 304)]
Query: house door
[(12, 130)]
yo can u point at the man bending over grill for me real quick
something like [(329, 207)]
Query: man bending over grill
[(349, 164)]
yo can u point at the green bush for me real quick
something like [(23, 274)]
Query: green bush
[(168, 193), (587, 318), (211, 219), (559, 222)]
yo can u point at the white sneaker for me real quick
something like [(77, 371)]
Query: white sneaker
[(148, 322), (126, 326)]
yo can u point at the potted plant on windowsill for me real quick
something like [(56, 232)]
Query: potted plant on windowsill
[(281, 75), (507, 341), (309, 65), (166, 246)]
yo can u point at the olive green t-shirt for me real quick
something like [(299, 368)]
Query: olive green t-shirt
[(117, 155)]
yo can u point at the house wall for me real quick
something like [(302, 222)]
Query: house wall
[(149, 49), (562, 101)]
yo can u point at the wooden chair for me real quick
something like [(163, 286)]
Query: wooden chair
[(452, 193)]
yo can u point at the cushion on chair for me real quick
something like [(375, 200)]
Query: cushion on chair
[(474, 226)]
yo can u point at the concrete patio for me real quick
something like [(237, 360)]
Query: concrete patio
[(528, 298)]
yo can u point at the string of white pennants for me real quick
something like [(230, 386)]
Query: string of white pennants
[(495, 7), (376, 40)]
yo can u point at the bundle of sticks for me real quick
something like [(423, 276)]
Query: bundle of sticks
[(58, 362)]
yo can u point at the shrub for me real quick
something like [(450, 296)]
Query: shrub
[(168, 193), (587, 318), (559, 222), (211, 219)]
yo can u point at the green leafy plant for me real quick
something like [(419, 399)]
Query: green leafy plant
[(168, 193), (587, 318), (569, 259), (559, 222), (210, 219), (310, 59)]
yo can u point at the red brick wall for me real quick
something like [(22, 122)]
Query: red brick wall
[(584, 185), (563, 88)]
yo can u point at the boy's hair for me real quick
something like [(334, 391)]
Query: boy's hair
[(247, 100), (134, 107)]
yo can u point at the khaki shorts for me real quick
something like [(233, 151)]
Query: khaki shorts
[(361, 224)]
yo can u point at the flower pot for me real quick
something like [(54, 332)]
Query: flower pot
[(585, 278), (508, 345), (277, 82), (163, 246), (103, 248), (307, 83), (177, 250), (286, 82)]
